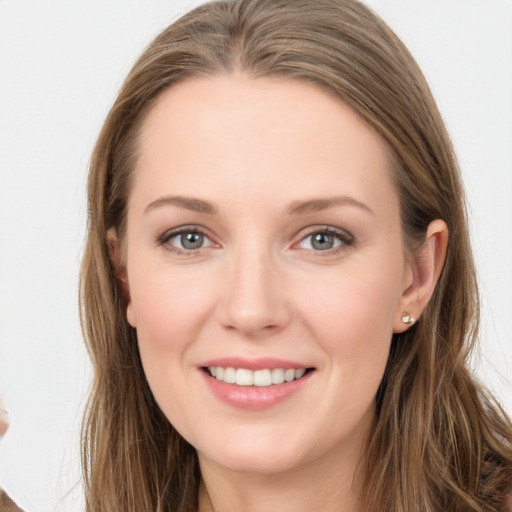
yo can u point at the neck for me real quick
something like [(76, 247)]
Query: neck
[(332, 484)]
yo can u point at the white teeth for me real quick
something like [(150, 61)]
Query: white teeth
[(230, 375), (277, 376), (244, 377), (260, 378), (289, 375), (299, 373)]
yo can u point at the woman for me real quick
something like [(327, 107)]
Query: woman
[(278, 293)]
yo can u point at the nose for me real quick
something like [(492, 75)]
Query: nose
[(254, 300)]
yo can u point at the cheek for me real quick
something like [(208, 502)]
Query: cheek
[(166, 305), (352, 320), (354, 305), (169, 311)]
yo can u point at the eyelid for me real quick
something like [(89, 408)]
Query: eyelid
[(166, 236), (346, 238)]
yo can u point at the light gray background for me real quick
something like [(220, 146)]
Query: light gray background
[(61, 64)]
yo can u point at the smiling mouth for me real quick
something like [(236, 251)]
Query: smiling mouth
[(261, 378)]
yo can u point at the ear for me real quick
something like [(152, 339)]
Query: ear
[(421, 276), (120, 270)]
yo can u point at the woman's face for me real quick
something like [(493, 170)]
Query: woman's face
[(263, 245)]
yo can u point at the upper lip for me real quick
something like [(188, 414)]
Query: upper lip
[(254, 364)]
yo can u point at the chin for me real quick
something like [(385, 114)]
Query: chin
[(259, 456), (255, 464)]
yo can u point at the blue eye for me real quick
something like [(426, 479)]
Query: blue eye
[(186, 240), (325, 240)]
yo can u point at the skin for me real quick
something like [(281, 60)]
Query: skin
[(4, 422), (257, 287)]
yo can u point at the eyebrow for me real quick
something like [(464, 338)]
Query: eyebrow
[(322, 203), (188, 203), (294, 208)]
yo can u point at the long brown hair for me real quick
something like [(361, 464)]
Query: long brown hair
[(439, 442)]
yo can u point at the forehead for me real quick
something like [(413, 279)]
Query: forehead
[(234, 131)]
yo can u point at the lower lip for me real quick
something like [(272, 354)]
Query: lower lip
[(254, 398)]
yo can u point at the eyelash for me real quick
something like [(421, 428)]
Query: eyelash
[(345, 239), (166, 237)]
